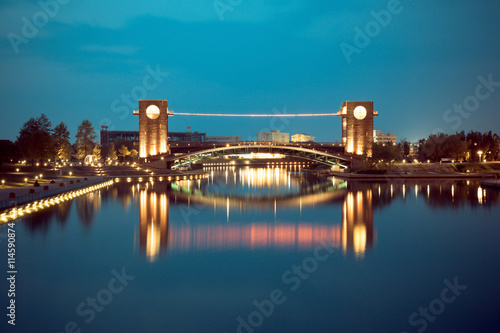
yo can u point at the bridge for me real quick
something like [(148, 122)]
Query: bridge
[(357, 138), (321, 157)]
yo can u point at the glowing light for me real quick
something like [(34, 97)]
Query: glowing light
[(153, 112), (360, 112)]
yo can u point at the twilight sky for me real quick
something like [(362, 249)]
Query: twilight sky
[(427, 65)]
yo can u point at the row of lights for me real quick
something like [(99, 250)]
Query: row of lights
[(26, 179), (288, 163), (169, 178), (42, 204)]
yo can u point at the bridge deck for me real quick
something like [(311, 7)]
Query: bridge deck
[(316, 155)]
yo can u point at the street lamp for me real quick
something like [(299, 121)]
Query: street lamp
[(41, 176), (70, 173), (25, 181), (17, 169), (480, 153), (3, 183)]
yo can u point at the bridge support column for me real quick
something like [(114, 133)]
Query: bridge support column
[(153, 127), (357, 127)]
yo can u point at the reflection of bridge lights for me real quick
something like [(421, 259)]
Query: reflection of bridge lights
[(359, 239), (184, 238)]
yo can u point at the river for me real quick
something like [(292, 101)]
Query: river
[(262, 250)]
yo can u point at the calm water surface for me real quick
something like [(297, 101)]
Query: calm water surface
[(262, 250)]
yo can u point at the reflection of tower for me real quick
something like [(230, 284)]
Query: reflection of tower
[(357, 127), (153, 127), (357, 221), (153, 209)]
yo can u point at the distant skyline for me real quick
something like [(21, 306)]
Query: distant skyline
[(428, 66)]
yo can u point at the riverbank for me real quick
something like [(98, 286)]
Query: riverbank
[(13, 196), (457, 175), (429, 171), (20, 206), (495, 184)]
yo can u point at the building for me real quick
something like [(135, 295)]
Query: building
[(301, 137), (357, 126), (187, 137), (384, 138), (224, 138), (110, 137), (273, 136)]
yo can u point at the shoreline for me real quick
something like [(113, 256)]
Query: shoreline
[(52, 198), (411, 176)]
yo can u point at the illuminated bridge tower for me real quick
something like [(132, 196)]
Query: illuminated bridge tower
[(357, 127), (153, 127)]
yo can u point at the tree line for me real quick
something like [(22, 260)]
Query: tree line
[(459, 147), (39, 141)]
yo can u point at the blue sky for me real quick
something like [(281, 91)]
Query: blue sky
[(252, 56)]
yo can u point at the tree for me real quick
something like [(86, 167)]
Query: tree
[(112, 153), (85, 139), (406, 147), (8, 151), (433, 147), (97, 152), (381, 152), (454, 147), (134, 153), (65, 152), (35, 139), (61, 141), (124, 152)]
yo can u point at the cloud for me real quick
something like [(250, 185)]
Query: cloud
[(116, 14)]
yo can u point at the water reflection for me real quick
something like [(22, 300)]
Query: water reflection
[(354, 233), (87, 206), (290, 211), (153, 222), (357, 221)]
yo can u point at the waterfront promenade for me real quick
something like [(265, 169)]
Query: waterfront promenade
[(47, 188)]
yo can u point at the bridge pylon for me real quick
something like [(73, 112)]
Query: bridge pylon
[(153, 127)]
